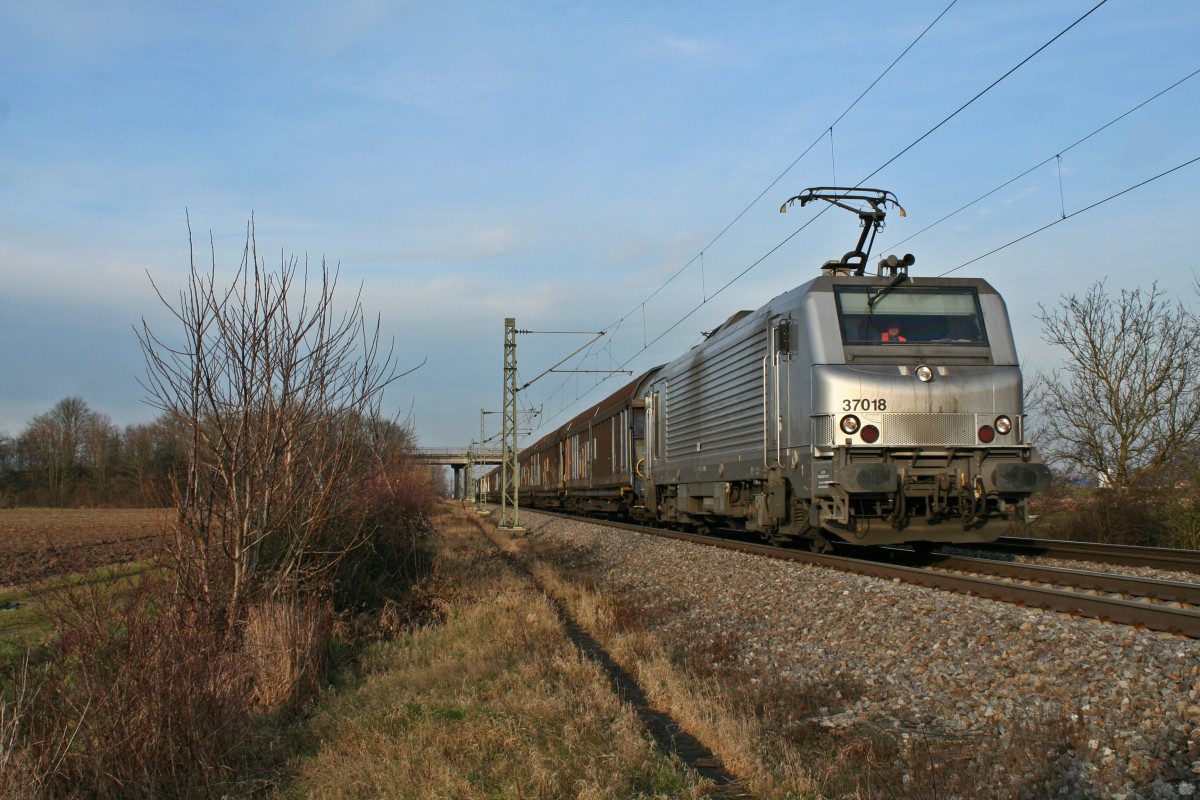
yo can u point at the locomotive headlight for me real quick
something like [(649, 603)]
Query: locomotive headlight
[(1003, 425), (924, 374), (849, 424)]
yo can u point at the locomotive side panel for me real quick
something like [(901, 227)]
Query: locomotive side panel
[(714, 404), (717, 425)]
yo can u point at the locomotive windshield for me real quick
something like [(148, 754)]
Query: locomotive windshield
[(926, 314)]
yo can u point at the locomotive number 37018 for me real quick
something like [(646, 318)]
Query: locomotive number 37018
[(865, 404)]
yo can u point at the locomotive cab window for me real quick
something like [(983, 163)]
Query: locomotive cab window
[(910, 315)]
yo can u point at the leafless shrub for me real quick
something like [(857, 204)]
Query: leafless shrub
[(1184, 525), (292, 482), (278, 392), (1151, 516), (137, 694), (1116, 517), (395, 502)]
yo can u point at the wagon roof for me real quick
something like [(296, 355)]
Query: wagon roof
[(621, 395)]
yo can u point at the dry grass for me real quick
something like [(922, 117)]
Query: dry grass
[(132, 694), (19, 778), (770, 765), (285, 642), (492, 702)]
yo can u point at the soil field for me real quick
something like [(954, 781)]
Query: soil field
[(38, 543)]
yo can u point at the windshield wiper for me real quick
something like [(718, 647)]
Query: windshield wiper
[(892, 284)]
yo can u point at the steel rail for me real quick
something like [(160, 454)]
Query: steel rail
[(1164, 558), (1163, 590), (1151, 616)]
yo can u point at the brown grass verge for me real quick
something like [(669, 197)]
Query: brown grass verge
[(114, 683), (493, 701)]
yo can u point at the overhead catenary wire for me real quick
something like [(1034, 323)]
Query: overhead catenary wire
[(917, 141), (1066, 217), (990, 86), (1046, 161), (797, 160), (980, 257), (901, 153), (614, 326)]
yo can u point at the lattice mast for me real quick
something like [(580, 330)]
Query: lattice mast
[(510, 478)]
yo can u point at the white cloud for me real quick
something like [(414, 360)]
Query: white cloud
[(74, 273)]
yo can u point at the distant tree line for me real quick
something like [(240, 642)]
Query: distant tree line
[(73, 455)]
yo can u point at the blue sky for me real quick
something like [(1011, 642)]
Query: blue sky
[(557, 162)]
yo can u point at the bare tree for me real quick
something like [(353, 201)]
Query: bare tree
[(271, 384), (66, 442), (8, 452), (36, 453), (1126, 404), (149, 453), (100, 447)]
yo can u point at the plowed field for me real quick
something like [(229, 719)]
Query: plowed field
[(37, 543)]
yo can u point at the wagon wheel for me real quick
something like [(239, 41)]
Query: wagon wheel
[(779, 539), (819, 544)]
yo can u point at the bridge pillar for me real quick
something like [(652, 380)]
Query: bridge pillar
[(459, 488)]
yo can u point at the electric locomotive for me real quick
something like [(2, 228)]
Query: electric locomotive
[(866, 409)]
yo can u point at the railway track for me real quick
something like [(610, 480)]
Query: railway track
[(1155, 589), (1151, 604), (1127, 555)]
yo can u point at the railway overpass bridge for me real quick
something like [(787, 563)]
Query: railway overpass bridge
[(458, 459)]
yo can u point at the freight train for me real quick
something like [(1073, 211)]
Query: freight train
[(866, 409)]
